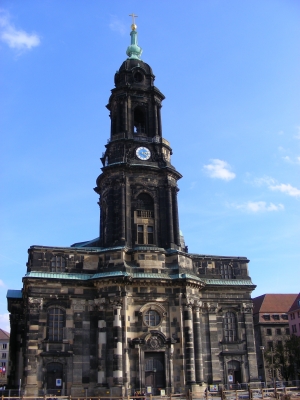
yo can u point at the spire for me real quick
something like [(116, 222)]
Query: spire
[(134, 51)]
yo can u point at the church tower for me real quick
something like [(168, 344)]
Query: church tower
[(132, 310), (138, 185)]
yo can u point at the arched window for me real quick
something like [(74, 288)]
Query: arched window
[(229, 326), (56, 323), (139, 121), (58, 264)]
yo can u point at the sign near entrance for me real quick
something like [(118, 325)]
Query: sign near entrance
[(58, 382), (230, 378), (149, 389), (213, 388)]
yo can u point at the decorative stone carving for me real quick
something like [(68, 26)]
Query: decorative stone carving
[(78, 305), (35, 303)]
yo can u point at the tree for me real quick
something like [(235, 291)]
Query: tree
[(285, 357)]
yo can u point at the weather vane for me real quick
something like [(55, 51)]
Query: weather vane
[(133, 25)]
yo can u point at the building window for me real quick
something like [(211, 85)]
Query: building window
[(292, 316), (58, 264), (144, 218), (284, 316), (278, 331), (229, 324), (140, 234), (269, 331), (139, 123), (270, 345), (287, 331), (294, 328), (3, 355), (276, 317), (4, 346), (152, 318), (56, 321), (150, 234), (267, 317), (279, 343), (226, 271)]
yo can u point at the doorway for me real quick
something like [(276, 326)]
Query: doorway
[(155, 371), (54, 378), (234, 371)]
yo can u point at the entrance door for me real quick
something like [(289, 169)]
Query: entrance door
[(234, 371), (155, 371), (54, 378)]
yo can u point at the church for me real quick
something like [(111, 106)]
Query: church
[(132, 310)]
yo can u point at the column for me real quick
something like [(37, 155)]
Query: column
[(214, 343), (102, 351), (189, 344), (155, 119), (118, 347), (176, 219), (125, 115), (123, 212), (159, 120), (170, 215), (198, 346)]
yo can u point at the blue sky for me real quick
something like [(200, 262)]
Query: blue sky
[(230, 74)]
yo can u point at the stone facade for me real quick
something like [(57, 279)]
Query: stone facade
[(132, 309)]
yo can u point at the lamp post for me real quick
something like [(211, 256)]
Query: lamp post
[(262, 348)]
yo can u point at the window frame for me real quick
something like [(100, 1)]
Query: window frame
[(230, 327), (56, 320)]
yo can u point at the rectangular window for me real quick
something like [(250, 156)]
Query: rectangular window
[(292, 316), (276, 317), (287, 331), (269, 331), (279, 343), (4, 346), (3, 355), (150, 234), (267, 317), (294, 328), (140, 234), (55, 324), (270, 345), (284, 316), (278, 331)]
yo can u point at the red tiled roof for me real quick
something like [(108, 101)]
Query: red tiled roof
[(295, 305), (4, 335), (273, 303)]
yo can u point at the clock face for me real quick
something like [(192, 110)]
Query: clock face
[(143, 153)]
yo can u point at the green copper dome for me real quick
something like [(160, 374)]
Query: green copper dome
[(134, 51)]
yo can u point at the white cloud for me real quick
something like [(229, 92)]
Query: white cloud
[(289, 160), (287, 189), (219, 169), (259, 206), (2, 283), (117, 26), (14, 38), (4, 322), (297, 136), (272, 184)]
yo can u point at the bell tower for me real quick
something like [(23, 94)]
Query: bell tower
[(138, 184)]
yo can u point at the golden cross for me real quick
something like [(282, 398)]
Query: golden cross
[(133, 16)]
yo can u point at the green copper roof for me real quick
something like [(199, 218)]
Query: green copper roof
[(134, 51), (227, 282)]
